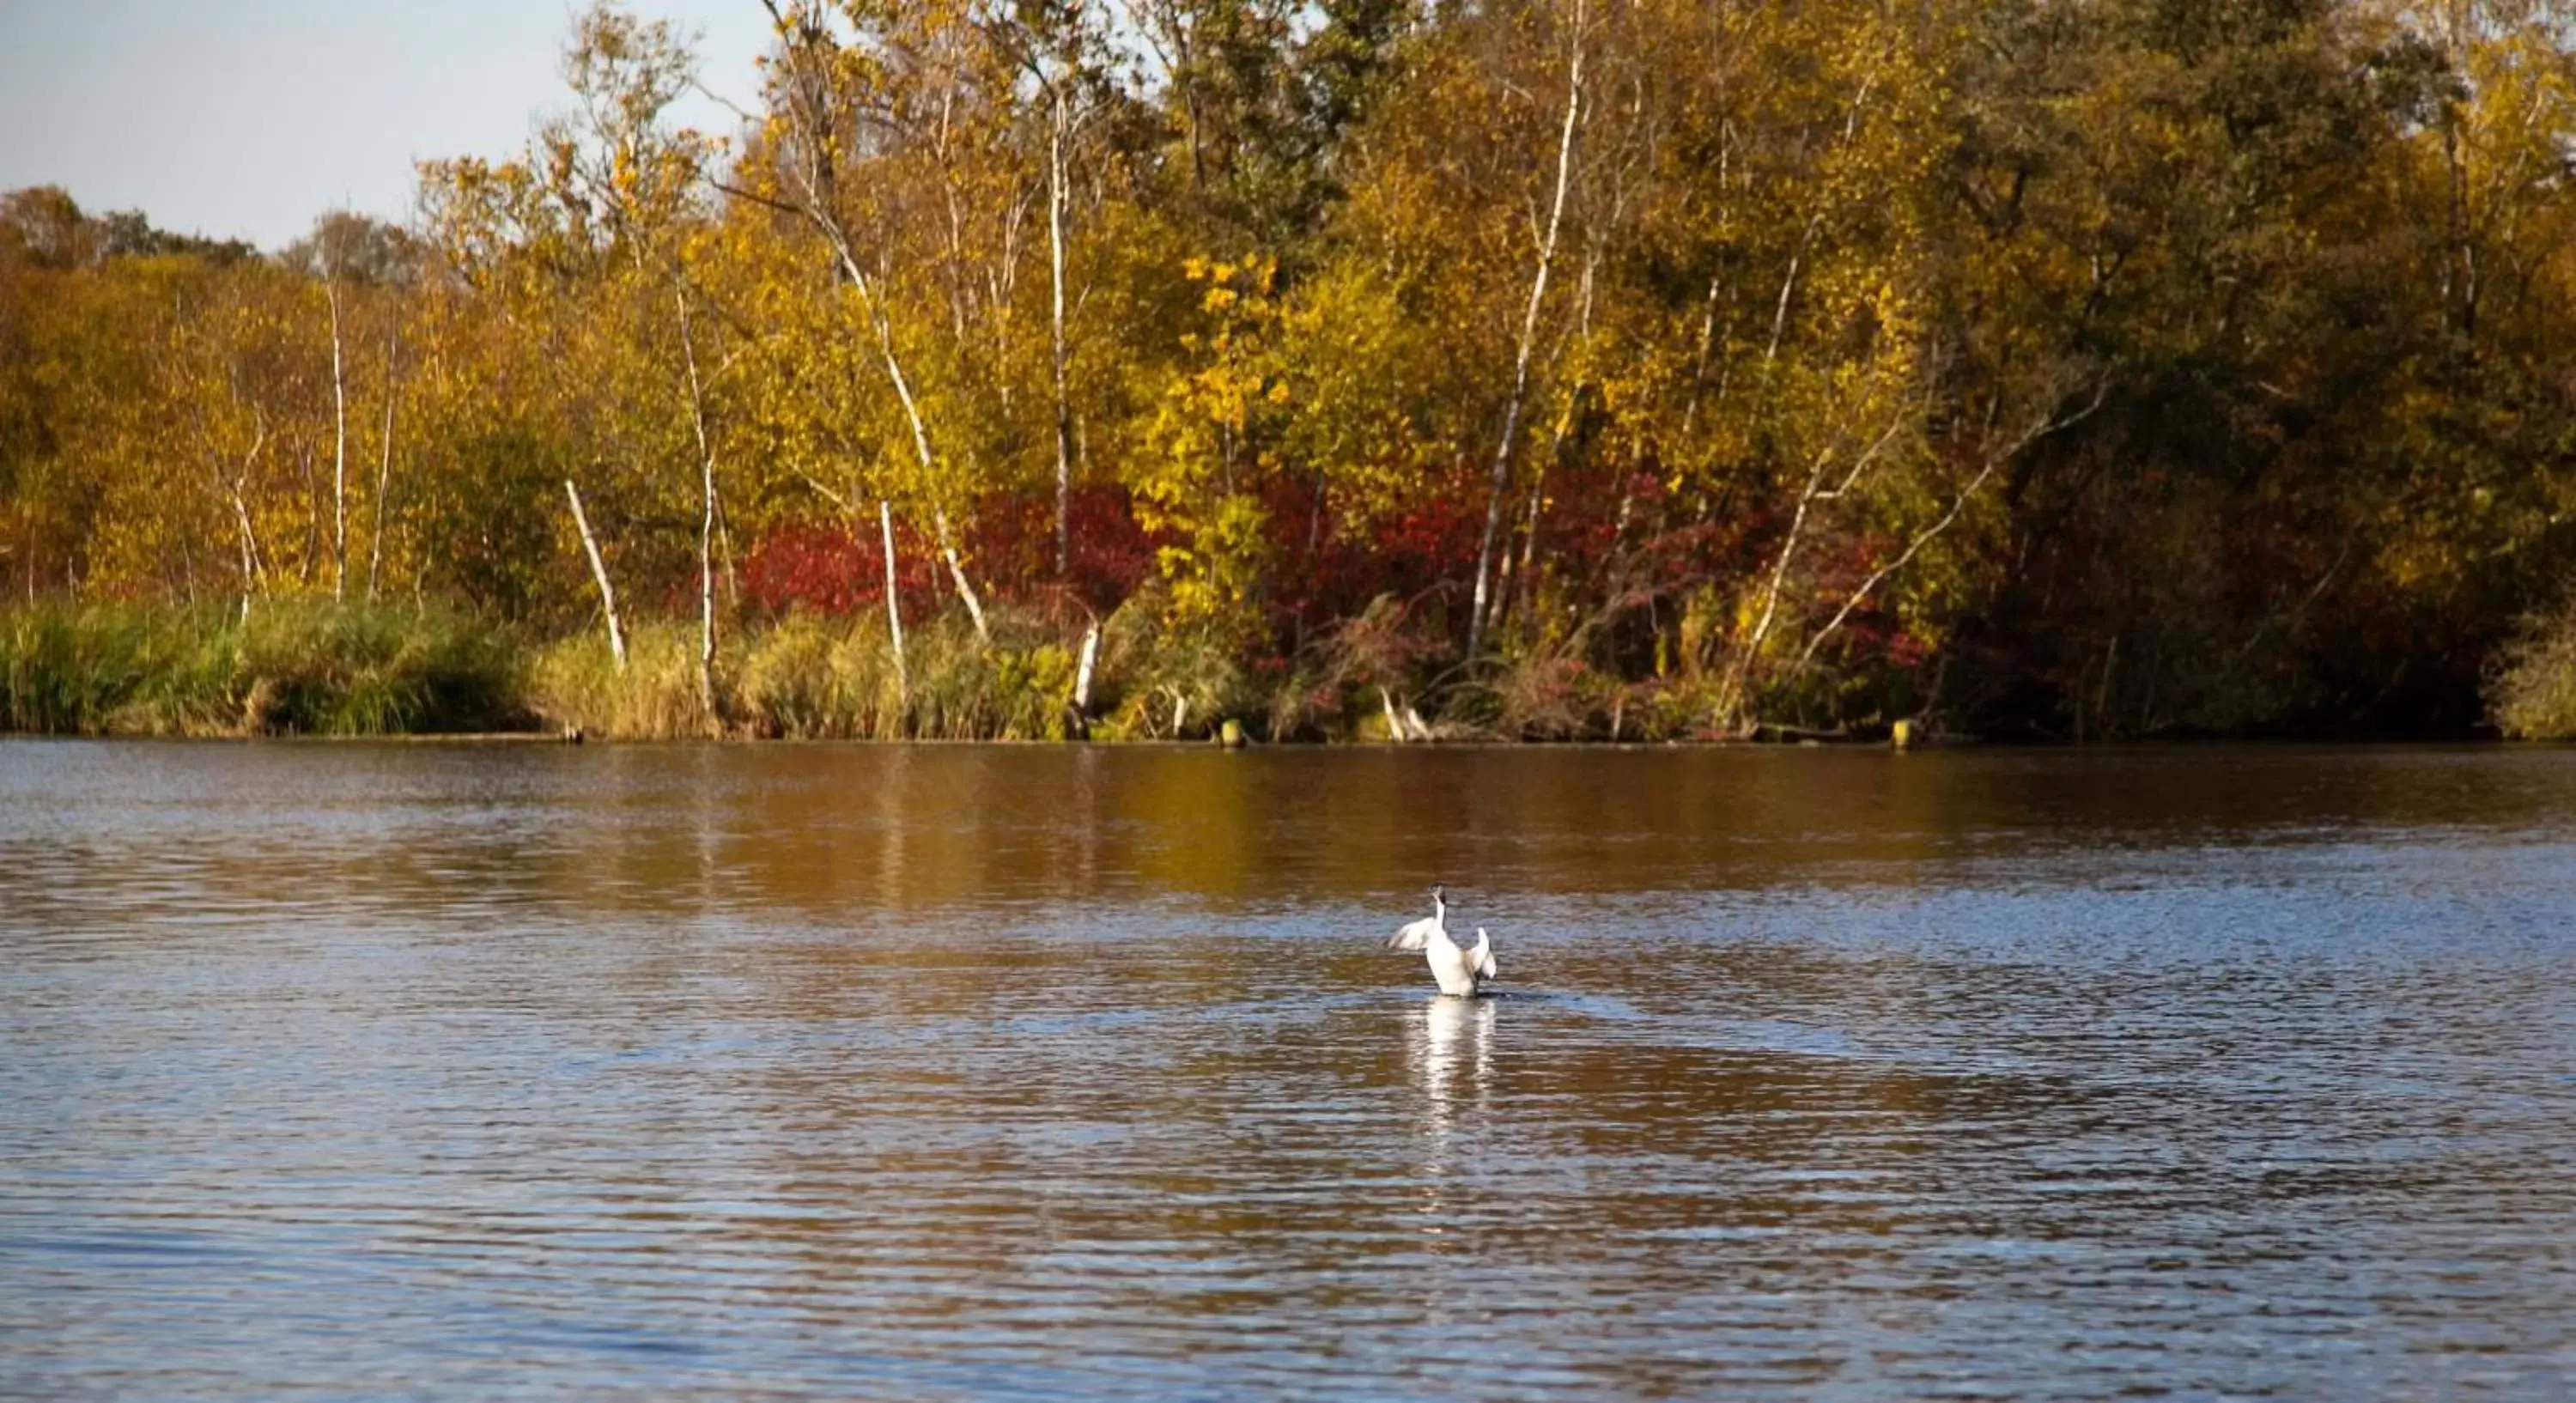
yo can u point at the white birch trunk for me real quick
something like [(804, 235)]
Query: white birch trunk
[(1788, 287), (1959, 504), (1082, 673), (893, 603), (706, 514), (599, 572), (1731, 700), (912, 417), (812, 176), (1056, 196), (238, 488), (339, 454), (384, 461), (957, 573), (249, 550), (1529, 335)]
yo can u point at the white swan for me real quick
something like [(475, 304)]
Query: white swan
[(1419, 933), (1458, 970)]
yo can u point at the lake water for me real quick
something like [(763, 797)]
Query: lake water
[(358, 1071)]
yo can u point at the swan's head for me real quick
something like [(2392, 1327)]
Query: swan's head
[(1439, 897)]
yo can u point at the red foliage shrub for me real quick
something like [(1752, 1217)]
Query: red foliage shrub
[(826, 569), (1108, 555)]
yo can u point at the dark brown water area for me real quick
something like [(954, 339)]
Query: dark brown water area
[(843, 1072)]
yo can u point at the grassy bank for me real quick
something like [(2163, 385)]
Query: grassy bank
[(317, 668), (810, 679), (291, 668)]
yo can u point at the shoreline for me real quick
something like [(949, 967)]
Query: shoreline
[(315, 670), (551, 738)]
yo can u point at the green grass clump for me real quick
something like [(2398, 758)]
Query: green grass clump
[(2531, 692), (1016, 688), (810, 678), (314, 667), (576, 682), (355, 670), (296, 667), (113, 670), (824, 679)]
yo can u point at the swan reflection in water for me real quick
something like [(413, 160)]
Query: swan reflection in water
[(1453, 1068)]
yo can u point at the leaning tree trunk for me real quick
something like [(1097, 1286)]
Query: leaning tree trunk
[(894, 604), (706, 517), (599, 572), (385, 459), (237, 488), (1994, 458), (339, 454), (1519, 400), (1082, 675), (1056, 196), (920, 443), (1732, 697), (814, 199)]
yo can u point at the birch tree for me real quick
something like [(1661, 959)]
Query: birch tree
[(831, 99), (1544, 264)]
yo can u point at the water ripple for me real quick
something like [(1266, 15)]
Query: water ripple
[(351, 1071)]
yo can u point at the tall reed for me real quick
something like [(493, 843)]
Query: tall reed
[(813, 678), (295, 667)]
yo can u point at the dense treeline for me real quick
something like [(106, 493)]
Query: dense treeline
[(2079, 368)]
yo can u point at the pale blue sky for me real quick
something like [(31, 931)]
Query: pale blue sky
[(248, 118)]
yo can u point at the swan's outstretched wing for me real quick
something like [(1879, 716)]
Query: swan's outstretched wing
[(1416, 935), (1488, 969)]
